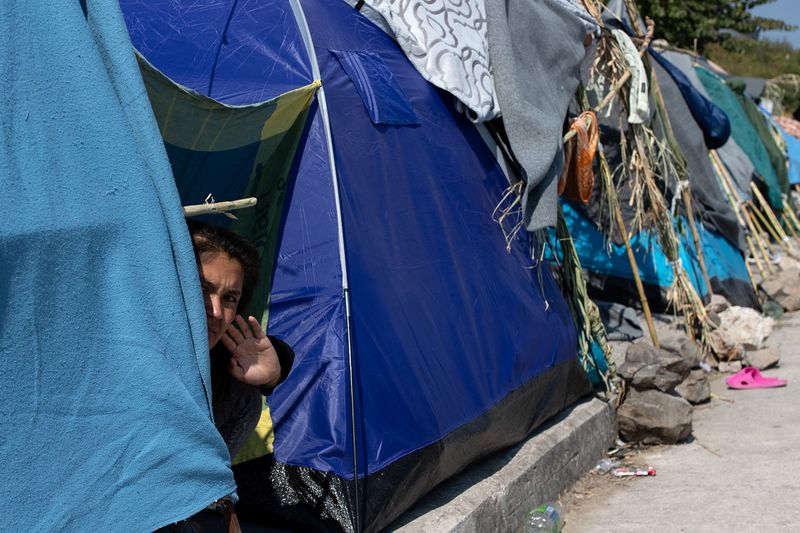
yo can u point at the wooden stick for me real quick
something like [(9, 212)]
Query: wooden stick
[(624, 78), (757, 231), (701, 257), (733, 199), (752, 279), (218, 207), (637, 279), (572, 133), (763, 223), (682, 181), (748, 220), (794, 224), (770, 215)]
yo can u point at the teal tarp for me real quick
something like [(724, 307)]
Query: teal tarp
[(744, 133), (105, 422)]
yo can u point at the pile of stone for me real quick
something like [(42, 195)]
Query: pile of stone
[(740, 337), (661, 384)]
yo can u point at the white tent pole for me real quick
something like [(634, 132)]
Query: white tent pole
[(302, 24)]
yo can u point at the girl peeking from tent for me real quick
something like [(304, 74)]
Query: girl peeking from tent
[(245, 363)]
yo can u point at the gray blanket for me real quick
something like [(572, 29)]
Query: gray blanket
[(536, 49)]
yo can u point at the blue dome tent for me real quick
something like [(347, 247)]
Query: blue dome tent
[(422, 344)]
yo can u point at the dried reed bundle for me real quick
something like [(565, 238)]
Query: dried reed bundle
[(648, 164), (584, 311)]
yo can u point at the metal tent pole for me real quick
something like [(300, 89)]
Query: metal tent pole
[(305, 32)]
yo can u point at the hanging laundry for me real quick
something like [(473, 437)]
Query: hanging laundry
[(639, 96)]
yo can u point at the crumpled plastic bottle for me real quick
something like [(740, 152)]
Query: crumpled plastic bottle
[(606, 465), (547, 518)]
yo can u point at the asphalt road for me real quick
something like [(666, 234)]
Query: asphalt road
[(741, 472)]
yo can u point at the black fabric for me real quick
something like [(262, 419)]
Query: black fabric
[(716, 213), (302, 499), (623, 291), (736, 291)]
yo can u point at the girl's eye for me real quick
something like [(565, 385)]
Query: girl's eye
[(231, 298)]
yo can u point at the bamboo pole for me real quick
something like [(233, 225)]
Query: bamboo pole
[(218, 207), (698, 245), (637, 279), (683, 183), (605, 170), (627, 74), (733, 199), (763, 223), (770, 214), (752, 281), (794, 223), (720, 171), (759, 231)]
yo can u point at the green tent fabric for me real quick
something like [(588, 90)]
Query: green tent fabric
[(744, 133), (759, 121), (232, 152)]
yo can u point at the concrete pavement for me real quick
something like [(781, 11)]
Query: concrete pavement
[(740, 473)]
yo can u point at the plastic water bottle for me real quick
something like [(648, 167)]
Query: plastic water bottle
[(544, 519)]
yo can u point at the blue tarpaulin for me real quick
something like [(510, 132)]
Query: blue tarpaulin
[(105, 421), (610, 275)]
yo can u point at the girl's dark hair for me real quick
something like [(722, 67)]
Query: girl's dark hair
[(211, 239)]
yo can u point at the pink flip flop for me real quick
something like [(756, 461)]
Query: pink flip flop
[(751, 378)]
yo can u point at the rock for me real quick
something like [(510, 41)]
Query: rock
[(745, 326), (713, 319), (784, 288), (723, 348), (772, 309), (646, 367), (696, 388), (618, 350), (718, 304), (765, 358), (679, 343), (729, 367), (654, 417)]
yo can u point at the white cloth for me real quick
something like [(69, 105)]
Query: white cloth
[(446, 40), (639, 101)]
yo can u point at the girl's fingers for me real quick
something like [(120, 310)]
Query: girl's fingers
[(236, 333), (244, 327), (229, 343), (257, 331)]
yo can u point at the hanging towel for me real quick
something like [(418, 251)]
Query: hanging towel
[(639, 99), (536, 54), (105, 418)]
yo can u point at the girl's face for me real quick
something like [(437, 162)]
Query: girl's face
[(221, 278)]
